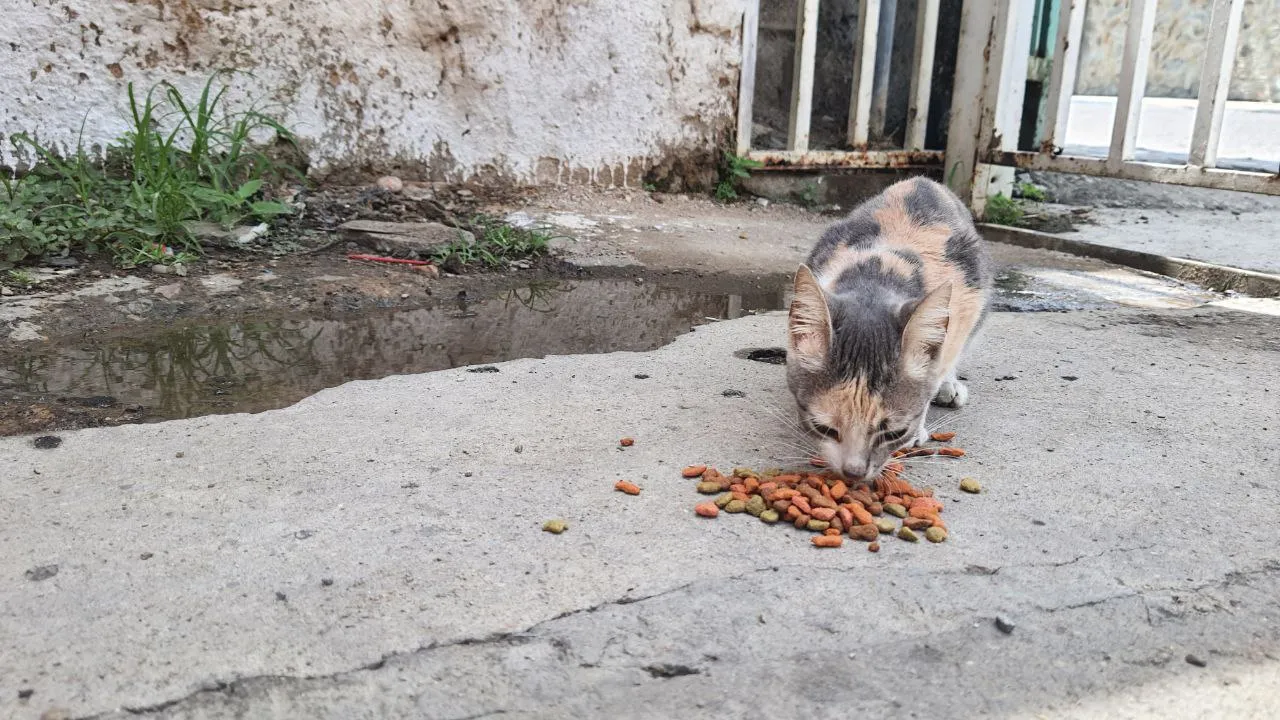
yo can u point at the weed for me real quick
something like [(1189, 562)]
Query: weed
[(180, 161), (495, 243), (650, 187), (21, 277), (1028, 191), (733, 170), (809, 195), (1001, 210)]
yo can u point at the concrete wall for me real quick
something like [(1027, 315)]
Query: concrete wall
[(528, 90), (1178, 49)]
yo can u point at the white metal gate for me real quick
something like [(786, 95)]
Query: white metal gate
[(988, 98), (867, 94)]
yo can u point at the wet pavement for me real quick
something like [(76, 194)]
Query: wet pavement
[(257, 365)]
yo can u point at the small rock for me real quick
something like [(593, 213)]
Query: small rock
[(1194, 660), (56, 713), (41, 572), (169, 292), (1004, 625), (731, 393), (304, 534), (282, 597), (326, 582), (1070, 378), (641, 376), (146, 556), (62, 262), (5, 290), (762, 202), (391, 183), (25, 693), (179, 269), (423, 238), (161, 269), (179, 454), (464, 193), (47, 442)]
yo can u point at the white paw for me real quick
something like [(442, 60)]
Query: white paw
[(951, 393), (922, 433)]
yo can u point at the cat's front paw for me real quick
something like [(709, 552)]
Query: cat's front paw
[(951, 393)]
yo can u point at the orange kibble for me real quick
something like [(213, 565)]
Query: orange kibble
[(693, 471), (793, 512), (627, 487), (831, 531), (826, 492), (846, 516), (788, 479), (927, 501), (785, 494), (839, 490), (738, 487), (915, 523), (862, 495), (707, 509), (860, 515), (627, 442), (894, 499), (738, 495), (753, 485), (802, 502), (942, 436), (828, 541), (951, 452), (895, 467), (821, 513)]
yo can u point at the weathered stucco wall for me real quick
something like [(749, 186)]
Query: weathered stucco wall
[(1178, 47), (528, 90)]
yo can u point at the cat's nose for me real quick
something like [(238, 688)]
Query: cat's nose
[(856, 472)]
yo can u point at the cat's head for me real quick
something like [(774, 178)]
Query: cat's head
[(862, 370)]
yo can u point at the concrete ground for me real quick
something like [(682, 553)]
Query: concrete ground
[(374, 550)]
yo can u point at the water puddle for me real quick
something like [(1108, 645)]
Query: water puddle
[(261, 365)]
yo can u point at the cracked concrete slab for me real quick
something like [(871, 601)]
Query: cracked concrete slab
[(374, 550)]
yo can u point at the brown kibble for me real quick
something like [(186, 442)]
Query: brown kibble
[(694, 471), (917, 523), (865, 533), (862, 495), (942, 436), (951, 452), (626, 442), (895, 510), (935, 534), (706, 509), (781, 505), (736, 506), (835, 523), (875, 508), (709, 487), (828, 541), (873, 547), (627, 487), (906, 534), (846, 516)]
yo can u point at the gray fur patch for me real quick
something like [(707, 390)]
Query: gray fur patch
[(866, 340), (927, 206), (870, 277), (964, 250), (860, 229)]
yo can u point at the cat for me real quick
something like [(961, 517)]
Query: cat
[(883, 308)]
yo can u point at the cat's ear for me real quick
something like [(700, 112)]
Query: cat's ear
[(925, 330), (809, 322)]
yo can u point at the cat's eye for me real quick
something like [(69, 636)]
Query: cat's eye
[(885, 435), (826, 431)]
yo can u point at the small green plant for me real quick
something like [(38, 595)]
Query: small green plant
[(496, 242), (733, 170), (1001, 210), (21, 277), (809, 195), (650, 187), (180, 161), (1031, 192)]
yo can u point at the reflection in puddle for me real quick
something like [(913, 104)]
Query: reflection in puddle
[(259, 365)]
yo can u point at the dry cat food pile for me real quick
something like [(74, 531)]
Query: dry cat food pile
[(822, 503)]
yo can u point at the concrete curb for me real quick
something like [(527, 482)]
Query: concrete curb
[(1208, 275)]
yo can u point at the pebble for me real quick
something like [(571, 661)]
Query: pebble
[(1194, 660), (391, 183), (1004, 625)]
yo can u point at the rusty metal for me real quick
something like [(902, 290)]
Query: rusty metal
[(841, 159), (1240, 180)]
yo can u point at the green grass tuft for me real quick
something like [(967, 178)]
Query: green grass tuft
[(1002, 210), (733, 170), (181, 160), (496, 243), (1031, 192)]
